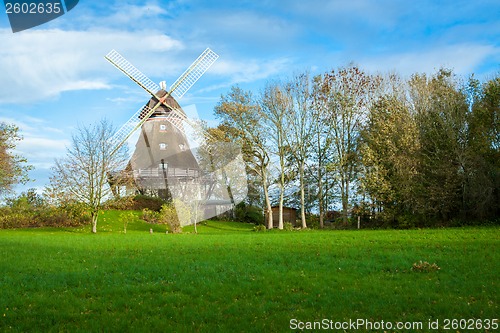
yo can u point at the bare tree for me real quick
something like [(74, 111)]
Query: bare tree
[(83, 173), (275, 104), (299, 122)]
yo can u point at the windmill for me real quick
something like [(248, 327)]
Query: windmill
[(164, 161)]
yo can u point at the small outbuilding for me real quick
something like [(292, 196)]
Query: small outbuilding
[(289, 215)]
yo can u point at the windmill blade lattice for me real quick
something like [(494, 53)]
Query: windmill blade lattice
[(178, 89), (133, 73), (130, 126), (193, 73)]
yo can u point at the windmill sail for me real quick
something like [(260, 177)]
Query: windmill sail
[(178, 89), (176, 157), (133, 73), (193, 73)]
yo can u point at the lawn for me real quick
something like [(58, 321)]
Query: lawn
[(228, 278)]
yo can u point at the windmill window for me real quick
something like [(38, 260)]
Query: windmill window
[(163, 146), (182, 147), (163, 128)]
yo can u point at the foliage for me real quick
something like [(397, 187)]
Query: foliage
[(126, 217), (249, 214), (168, 215), (13, 168), (242, 117), (137, 202), (260, 227), (28, 210), (418, 152), (150, 216)]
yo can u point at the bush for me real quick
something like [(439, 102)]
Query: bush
[(150, 216), (259, 228), (138, 202), (249, 214), (167, 215), (126, 217), (288, 226), (144, 201), (42, 217)]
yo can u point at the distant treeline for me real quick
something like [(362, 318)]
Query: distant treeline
[(402, 153)]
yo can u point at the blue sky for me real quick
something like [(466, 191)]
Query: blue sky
[(54, 78)]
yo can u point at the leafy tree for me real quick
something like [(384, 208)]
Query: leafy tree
[(347, 94), (82, 174), (13, 168), (441, 111), (389, 153), (243, 120), (484, 130)]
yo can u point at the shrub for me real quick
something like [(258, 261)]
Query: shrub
[(288, 226), (46, 216), (259, 228), (150, 216), (249, 214), (144, 201), (168, 216), (138, 202), (126, 217)]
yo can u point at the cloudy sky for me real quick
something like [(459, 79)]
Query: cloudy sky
[(54, 78)]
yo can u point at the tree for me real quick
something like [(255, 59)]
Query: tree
[(82, 175), (442, 114), (243, 119), (13, 168), (389, 153), (484, 153), (300, 125), (275, 104), (348, 93)]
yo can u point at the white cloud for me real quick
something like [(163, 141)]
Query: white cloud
[(461, 58), (40, 142), (245, 70), (41, 64)]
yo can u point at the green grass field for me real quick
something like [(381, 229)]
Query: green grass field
[(228, 278)]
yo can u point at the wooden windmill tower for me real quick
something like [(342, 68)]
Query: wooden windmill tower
[(163, 162)]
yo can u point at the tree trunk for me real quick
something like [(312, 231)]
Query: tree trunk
[(94, 217), (280, 218), (302, 198), (320, 198), (268, 209), (344, 194)]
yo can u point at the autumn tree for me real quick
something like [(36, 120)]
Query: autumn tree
[(347, 94), (242, 116), (13, 168), (82, 175), (389, 154)]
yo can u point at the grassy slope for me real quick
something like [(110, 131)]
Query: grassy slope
[(228, 278)]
